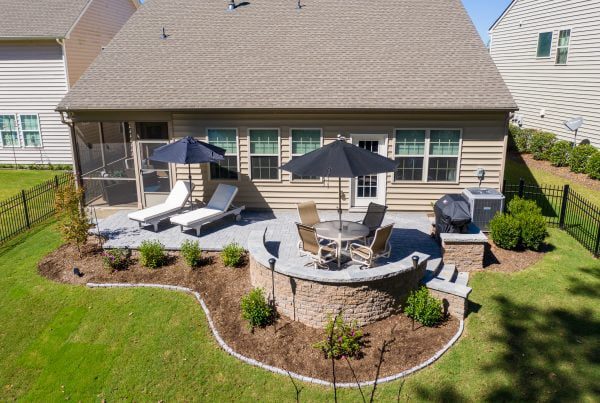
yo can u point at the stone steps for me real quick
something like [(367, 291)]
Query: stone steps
[(446, 283)]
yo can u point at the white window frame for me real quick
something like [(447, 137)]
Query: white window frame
[(250, 154), (428, 155), (292, 155), (568, 47), (537, 46), (20, 144), (21, 131), (237, 141)]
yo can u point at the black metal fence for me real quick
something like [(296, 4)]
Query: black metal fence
[(563, 208), (30, 206)]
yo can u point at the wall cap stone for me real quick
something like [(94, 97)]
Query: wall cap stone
[(473, 235)]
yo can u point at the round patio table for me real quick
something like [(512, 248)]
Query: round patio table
[(348, 231)]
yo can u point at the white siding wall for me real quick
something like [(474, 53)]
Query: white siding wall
[(564, 91), (33, 80)]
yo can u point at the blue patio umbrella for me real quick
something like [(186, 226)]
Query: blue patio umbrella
[(188, 151)]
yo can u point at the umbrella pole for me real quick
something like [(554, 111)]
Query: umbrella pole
[(340, 201), (190, 180)]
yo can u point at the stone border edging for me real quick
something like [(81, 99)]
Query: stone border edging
[(270, 368)]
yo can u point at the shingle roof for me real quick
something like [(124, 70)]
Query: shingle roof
[(38, 18), (331, 54)]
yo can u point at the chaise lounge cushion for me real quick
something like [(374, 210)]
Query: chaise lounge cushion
[(176, 201), (219, 203)]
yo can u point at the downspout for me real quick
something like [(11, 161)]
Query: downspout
[(65, 119)]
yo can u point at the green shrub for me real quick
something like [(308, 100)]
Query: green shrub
[(560, 153), (256, 310), (522, 206), (519, 138), (593, 166), (424, 308), (152, 254), (73, 222), (505, 231), (116, 259), (232, 255), (342, 340), (540, 144), (533, 230), (191, 252), (580, 156)]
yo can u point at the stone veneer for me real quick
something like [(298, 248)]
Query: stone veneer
[(465, 251)]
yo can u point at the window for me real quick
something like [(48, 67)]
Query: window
[(544, 46), (562, 50), (305, 141), (8, 131), (264, 154), (30, 129), (410, 153), (444, 147), (228, 167)]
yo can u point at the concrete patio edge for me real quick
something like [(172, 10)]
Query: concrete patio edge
[(277, 370)]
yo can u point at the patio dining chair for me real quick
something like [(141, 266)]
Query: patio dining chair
[(373, 218), (309, 245), (308, 213), (380, 247)]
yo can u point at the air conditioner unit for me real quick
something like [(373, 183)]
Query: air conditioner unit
[(484, 204)]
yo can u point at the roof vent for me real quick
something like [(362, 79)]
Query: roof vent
[(231, 5)]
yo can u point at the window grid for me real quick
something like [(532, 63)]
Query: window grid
[(9, 135), (228, 167), (409, 154), (304, 141), (562, 48), (264, 154), (30, 128)]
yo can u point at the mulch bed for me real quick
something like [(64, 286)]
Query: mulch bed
[(287, 344), (509, 261)]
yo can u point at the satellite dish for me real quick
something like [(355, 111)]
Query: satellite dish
[(574, 124)]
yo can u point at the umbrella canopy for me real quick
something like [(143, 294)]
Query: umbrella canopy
[(342, 160), (188, 151)]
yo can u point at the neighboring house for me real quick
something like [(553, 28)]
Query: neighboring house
[(408, 79), (548, 53), (45, 46)]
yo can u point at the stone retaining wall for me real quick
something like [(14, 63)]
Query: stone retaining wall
[(453, 304), (465, 251), (312, 302)]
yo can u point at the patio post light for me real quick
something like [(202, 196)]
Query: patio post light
[(415, 261), (272, 267), (76, 272)]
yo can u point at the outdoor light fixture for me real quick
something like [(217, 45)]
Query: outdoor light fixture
[(231, 5), (415, 260), (76, 272), (574, 125), (272, 267), (164, 35)]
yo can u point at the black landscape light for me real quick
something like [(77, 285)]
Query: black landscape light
[(77, 272), (415, 260), (272, 267)]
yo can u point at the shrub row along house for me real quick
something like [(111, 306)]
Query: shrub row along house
[(269, 81), (44, 48)]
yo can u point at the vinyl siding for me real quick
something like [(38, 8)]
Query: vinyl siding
[(96, 27), (32, 80), (483, 145), (564, 91)]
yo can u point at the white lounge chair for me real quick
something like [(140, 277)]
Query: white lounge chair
[(218, 207), (177, 199)]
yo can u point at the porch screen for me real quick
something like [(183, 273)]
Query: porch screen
[(264, 154), (410, 154), (305, 141), (444, 148), (228, 167)]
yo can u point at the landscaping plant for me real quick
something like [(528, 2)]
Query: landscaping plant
[(116, 259), (520, 138), (505, 231), (73, 221), (342, 340), (256, 310), (533, 230), (191, 252), (424, 308), (580, 156), (560, 153), (524, 226), (232, 255), (152, 254), (522, 206), (540, 144), (593, 166)]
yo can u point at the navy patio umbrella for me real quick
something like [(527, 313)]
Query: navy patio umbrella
[(188, 151), (342, 160)]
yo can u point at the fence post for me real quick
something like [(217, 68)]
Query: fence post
[(597, 248), (24, 197), (521, 187), (56, 181), (563, 207)]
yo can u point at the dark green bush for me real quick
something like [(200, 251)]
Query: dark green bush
[(580, 156), (116, 259), (540, 144), (152, 254), (533, 230), (191, 252), (232, 255), (593, 166), (560, 153), (341, 339), (520, 138), (256, 310), (424, 308), (505, 231), (519, 206)]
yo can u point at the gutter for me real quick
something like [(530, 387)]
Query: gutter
[(65, 119)]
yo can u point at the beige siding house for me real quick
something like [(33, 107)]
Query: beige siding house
[(44, 49), (549, 56), (268, 81)]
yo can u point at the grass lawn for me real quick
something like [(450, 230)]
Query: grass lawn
[(533, 335), (12, 181)]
